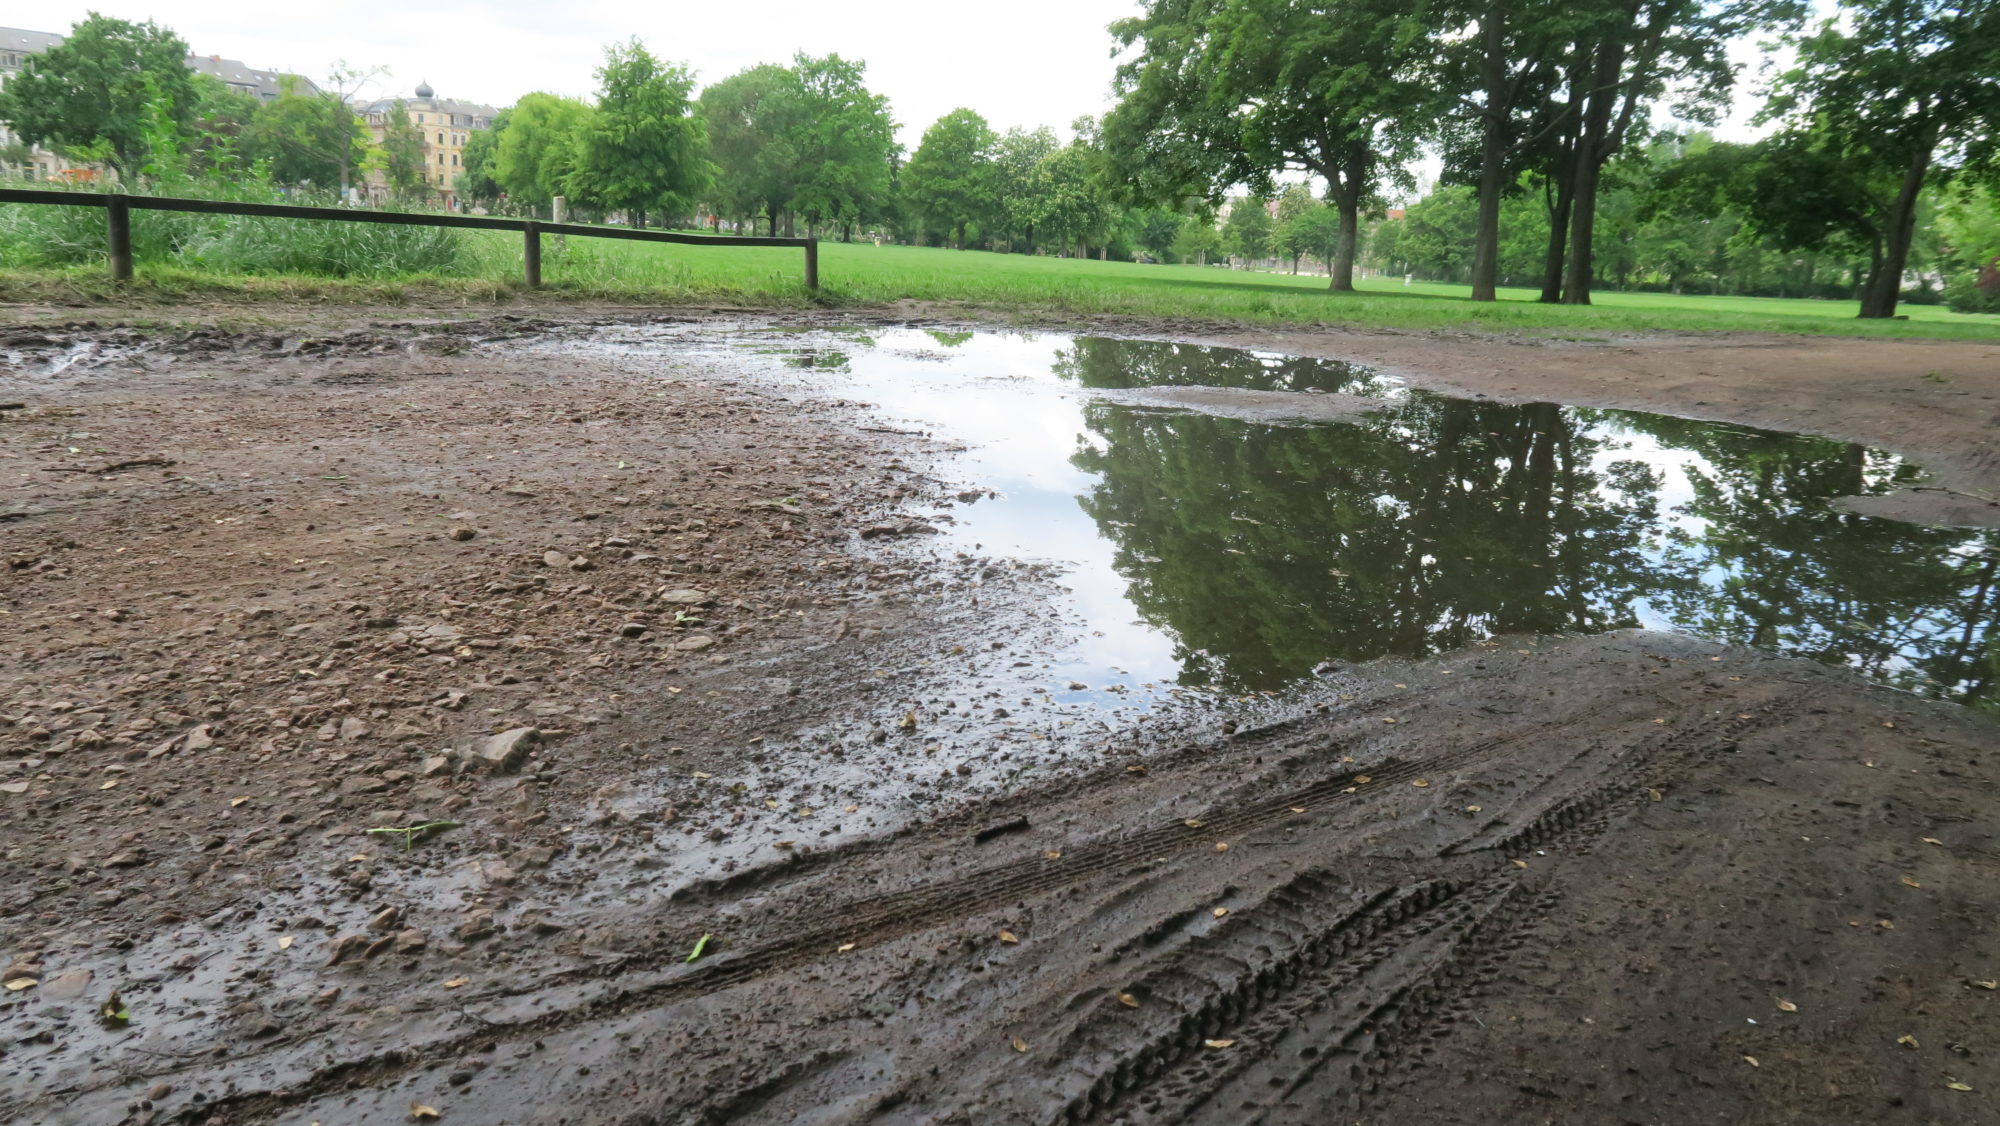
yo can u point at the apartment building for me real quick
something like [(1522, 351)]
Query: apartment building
[(445, 126)]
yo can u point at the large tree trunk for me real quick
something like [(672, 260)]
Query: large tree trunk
[(1593, 148), (1031, 241), (1492, 154), (1552, 261), (1885, 283)]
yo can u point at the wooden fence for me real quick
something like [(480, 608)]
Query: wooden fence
[(118, 210)]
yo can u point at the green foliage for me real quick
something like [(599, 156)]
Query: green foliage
[(402, 153), (91, 90), (212, 143), (744, 115), (1197, 240), (642, 149), (1247, 232), (1892, 95), (306, 138), (1020, 187), (1969, 228), (838, 139), (950, 179), (540, 149), (476, 183)]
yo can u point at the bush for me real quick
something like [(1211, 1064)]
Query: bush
[(1963, 295)]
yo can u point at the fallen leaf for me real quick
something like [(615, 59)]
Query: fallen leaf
[(1663, 721), (1020, 1045), (1933, 840), (419, 1112), (1218, 1043), (1219, 912), (1421, 783), (458, 982), (1957, 1086), (113, 1011), (851, 809), (1472, 809), (1222, 846), (1785, 1006), (1907, 1041), (1127, 1000), (700, 947), (1912, 883), (1653, 794), (1751, 1060), (1298, 809), (1885, 924), (1362, 780), (16, 984), (109, 784), (1052, 854), (284, 942), (1192, 823), (1520, 864), (234, 802), (1135, 770), (1987, 984), (1008, 937), (1387, 719), (843, 948)]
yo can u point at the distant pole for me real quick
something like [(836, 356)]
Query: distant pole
[(812, 264), (118, 235), (558, 213), (531, 252)]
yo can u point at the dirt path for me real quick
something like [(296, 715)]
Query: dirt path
[(1634, 878)]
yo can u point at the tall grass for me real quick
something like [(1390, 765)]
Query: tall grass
[(39, 236)]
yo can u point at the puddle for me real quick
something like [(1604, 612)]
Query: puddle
[(1305, 511)]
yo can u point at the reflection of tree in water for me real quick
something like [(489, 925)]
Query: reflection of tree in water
[(1123, 364), (1266, 549), (947, 339), (1779, 569)]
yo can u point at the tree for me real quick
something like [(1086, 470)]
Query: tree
[(838, 138), (1155, 229), (93, 89), (1623, 58), (402, 152), (1019, 191), (643, 147), (213, 141), (1896, 94), (476, 183), (1223, 92), (306, 137), (1969, 227), (540, 147), (1196, 239), (743, 116), (1247, 233), (1075, 207), (950, 178), (1319, 232)]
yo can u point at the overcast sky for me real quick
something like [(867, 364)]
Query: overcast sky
[(1024, 62)]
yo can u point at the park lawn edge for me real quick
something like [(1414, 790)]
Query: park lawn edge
[(164, 287)]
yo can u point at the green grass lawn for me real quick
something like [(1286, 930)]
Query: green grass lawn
[(1040, 288), (863, 273)]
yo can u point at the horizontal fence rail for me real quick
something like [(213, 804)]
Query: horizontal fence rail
[(118, 210)]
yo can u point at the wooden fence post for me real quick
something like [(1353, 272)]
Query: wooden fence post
[(531, 234), (118, 235), (812, 264)]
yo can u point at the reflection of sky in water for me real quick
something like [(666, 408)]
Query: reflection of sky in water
[(1023, 408)]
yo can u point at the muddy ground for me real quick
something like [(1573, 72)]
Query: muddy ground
[(670, 646)]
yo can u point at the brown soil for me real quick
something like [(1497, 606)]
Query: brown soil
[(267, 590)]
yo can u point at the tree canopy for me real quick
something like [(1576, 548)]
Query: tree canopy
[(92, 91)]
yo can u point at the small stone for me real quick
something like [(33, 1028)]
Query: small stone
[(477, 924), (67, 986), (504, 753), (201, 738), (435, 765), (695, 643), (386, 919), (462, 533), (686, 596), (632, 629), (352, 729), (357, 784), (410, 941), (159, 1091), (582, 563), (345, 947), (554, 560)]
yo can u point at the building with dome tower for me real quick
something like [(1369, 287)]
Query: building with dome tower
[(443, 123)]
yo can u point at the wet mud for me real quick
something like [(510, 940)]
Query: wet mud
[(863, 723)]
